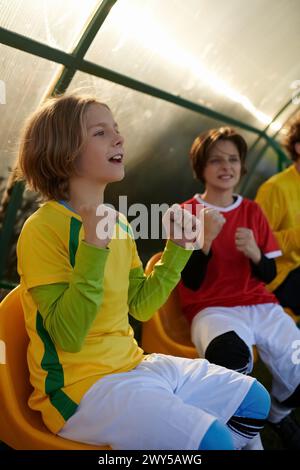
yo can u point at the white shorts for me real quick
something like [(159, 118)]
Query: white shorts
[(166, 402), (265, 325)]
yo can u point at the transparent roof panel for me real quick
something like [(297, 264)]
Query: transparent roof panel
[(158, 136), (265, 168), (284, 119), (235, 57), (54, 22), (21, 92)]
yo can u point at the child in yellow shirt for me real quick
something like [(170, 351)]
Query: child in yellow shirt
[(92, 382), (279, 198)]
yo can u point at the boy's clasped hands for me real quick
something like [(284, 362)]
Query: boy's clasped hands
[(183, 228)]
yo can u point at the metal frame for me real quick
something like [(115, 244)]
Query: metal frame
[(282, 157), (70, 62), (31, 46)]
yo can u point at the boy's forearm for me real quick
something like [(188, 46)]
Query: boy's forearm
[(194, 272), (147, 294), (68, 310), (265, 270)]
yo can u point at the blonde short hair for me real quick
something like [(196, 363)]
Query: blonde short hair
[(52, 139)]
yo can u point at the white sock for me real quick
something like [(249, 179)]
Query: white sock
[(240, 442), (254, 444), (278, 411)]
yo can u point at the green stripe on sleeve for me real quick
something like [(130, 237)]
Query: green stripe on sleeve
[(75, 226), (55, 375), (125, 227)]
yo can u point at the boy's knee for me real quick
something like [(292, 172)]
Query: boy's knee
[(217, 437), (256, 403), (229, 350)]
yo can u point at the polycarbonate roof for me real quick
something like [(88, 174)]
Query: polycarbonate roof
[(236, 57), (230, 56), (168, 69)]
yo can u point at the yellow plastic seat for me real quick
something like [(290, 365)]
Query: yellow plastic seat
[(21, 427), (291, 314), (168, 331)]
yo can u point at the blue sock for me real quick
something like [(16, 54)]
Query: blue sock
[(249, 419), (217, 437), (256, 403)]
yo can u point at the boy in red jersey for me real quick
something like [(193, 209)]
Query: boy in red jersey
[(222, 288)]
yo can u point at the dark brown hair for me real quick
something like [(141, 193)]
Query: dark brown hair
[(292, 138), (202, 145)]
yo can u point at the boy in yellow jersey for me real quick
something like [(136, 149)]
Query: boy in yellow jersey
[(92, 383), (279, 198)]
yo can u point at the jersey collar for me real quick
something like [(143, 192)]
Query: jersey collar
[(232, 206), (64, 209)]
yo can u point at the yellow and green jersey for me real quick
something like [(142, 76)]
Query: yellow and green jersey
[(279, 198), (76, 299)]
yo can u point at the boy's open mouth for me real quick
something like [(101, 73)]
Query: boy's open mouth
[(116, 158), (225, 177)]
